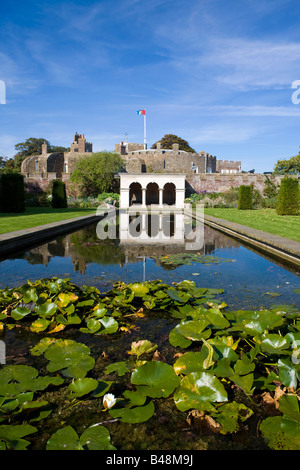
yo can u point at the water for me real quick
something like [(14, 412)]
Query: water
[(250, 279)]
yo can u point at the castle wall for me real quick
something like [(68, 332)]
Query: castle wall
[(169, 161), (217, 182)]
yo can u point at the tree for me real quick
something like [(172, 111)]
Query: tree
[(245, 197), (94, 174), (169, 139), (59, 197), (289, 166), (12, 192), (288, 201)]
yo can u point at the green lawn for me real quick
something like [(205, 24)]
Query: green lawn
[(287, 226), (34, 216)]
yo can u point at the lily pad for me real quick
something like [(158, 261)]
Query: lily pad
[(155, 379), (138, 414), (198, 388), (69, 356)]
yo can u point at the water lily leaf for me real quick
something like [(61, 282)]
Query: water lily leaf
[(287, 373), (99, 312), (46, 310), (82, 386), (224, 347), (64, 439), (155, 379), (194, 329), (243, 367), (110, 325), (84, 303), (296, 291), (223, 368), (16, 379), (196, 389), (70, 357), (41, 324), (30, 296), (41, 346), (217, 319), (142, 347), (13, 435), (177, 339), (193, 361), (244, 381), (136, 398), (20, 312), (281, 433), (139, 289), (274, 344), (65, 298), (120, 367), (138, 414), (181, 297), (102, 387), (230, 415), (96, 438)]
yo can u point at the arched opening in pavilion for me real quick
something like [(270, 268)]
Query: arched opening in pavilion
[(169, 194), (152, 194), (135, 194)]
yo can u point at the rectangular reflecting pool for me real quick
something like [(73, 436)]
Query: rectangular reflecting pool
[(250, 279)]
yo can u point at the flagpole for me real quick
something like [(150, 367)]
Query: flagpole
[(145, 139)]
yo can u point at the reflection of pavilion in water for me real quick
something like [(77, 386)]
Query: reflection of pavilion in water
[(129, 251)]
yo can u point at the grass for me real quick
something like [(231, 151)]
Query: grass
[(267, 220), (34, 216)]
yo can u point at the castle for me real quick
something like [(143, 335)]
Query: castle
[(201, 171), (50, 166)]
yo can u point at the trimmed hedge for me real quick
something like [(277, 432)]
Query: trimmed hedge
[(12, 193), (288, 200), (245, 197), (59, 196)]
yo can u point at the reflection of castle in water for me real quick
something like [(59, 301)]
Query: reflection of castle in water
[(83, 247)]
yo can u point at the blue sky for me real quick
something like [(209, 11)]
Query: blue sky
[(218, 74)]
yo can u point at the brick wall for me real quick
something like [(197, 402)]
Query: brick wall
[(216, 182)]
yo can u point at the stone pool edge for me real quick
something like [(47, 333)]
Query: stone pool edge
[(12, 242), (283, 248)]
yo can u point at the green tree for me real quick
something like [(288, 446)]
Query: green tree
[(94, 174), (288, 167), (12, 192), (245, 197), (288, 201), (169, 139), (59, 196)]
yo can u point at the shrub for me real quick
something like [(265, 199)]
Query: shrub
[(12, 192), (59, 197), (288, 200), (245, 197)]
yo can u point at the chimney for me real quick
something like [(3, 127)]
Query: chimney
[(158, 146), (44, 148), (175, 147)]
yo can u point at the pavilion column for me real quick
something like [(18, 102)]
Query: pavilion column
[(161, 192), (144, 197)]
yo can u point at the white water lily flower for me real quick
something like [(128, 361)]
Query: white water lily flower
[(109, 401)]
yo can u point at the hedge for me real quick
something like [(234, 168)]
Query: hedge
[(59, 197), (12, 193), (245, 197), (288, 200)]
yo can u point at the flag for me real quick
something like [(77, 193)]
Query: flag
[(141, 111)]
